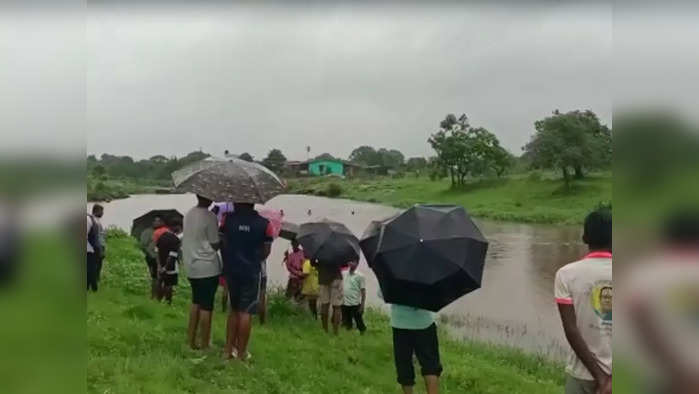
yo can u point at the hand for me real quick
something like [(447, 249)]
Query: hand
[(604, 386)]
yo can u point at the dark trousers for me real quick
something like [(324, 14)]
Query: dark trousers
[(350, 313), (422, 343), (92, 271), (100, 259)]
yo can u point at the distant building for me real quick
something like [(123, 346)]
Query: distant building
[(323, 167)]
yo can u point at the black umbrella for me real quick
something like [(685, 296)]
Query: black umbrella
[(289, 230), (328, 242), (426, 257), (145, 221)]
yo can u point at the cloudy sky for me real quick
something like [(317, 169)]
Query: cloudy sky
[(165, 79)]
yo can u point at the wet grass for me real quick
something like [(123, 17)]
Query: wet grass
[(531, 197), (137, 345)]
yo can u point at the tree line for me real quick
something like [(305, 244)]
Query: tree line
[(572, 143)]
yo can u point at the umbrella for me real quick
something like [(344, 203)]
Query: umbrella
[(328, 242), (228, 179), (274, 217), (426, 257), (146, 220), (289, 230)]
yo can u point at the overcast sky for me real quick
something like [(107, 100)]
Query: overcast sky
[(175, 79)]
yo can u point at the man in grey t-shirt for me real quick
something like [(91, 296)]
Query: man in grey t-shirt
[(200, 245)]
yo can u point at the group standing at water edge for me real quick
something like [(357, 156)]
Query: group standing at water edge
[(424, 259)]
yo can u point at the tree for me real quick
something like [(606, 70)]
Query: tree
[(98, 170), (391, 158), (159, 159), (325, 156), (464, 151), (275, 160), (574, 140), (416, 163), (365, 155), (246, 156)]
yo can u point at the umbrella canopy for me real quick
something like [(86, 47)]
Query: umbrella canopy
[(328, 242), (289, 230), (426, 257), (274, 217), (146, 220), (228, 179)]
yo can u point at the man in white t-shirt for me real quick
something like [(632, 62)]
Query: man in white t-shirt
[(583, 292), (200, 245)]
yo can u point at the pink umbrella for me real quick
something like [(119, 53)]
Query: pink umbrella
[(275, 218)]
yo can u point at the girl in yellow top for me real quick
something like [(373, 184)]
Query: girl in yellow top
[(310, 286)]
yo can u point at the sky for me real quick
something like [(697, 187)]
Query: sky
[(333, 76)]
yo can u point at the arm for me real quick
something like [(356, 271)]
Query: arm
[(212, 232), (576, 341)]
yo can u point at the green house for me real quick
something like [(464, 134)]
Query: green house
[(326, 167)]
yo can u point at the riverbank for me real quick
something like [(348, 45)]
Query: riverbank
[(135, 344), (107, 188), (530, 198)]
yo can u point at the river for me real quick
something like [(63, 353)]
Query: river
[(514, 306)]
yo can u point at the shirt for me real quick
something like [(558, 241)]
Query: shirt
[(158, 232), (328, 273), (353, 284), (147, 244), (90, 249), (587, 286), (168, 251), (294, 263), (245, 233), (310, 282), (410, 318), (200, 231)]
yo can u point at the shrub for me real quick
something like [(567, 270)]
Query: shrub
[(333, 190), (534, 176)]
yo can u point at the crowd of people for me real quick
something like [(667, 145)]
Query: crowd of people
[(234, 245)]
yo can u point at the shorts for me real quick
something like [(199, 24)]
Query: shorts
[(293, 287), (331, 294), (424, 344), (579, 386), (152, 267), (169, 279), (244, 292), (204, 292)]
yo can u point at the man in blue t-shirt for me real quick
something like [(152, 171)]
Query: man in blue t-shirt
[(247, 238)]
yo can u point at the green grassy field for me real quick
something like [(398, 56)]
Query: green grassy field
[(531, 197), (136, 345)]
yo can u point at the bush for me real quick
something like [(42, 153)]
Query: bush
[(534, 176), (333, 190)]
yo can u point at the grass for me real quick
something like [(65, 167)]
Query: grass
[(136, 345), (530, 197), (106, 188)]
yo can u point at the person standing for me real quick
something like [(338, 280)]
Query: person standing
[(97, 213), (148, 247), (310, 287), (92, 253), (294, 265), (168, 246), (200, 244), (247, 240), (330, 293), (354, 291), (583, 292)]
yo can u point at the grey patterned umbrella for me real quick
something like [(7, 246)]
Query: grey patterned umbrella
[(229, 179)]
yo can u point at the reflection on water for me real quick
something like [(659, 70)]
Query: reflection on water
[(515, 304)]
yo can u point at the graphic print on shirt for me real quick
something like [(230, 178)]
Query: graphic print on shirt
[(601, 300)]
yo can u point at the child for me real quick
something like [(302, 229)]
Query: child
[(168, 246), (415, 332), (354, 298), (583, 292), (310, 287), (294, 264)]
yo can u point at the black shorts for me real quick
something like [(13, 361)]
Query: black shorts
[(243, 292), (424, 344), (204, 292), (169, 279), (152, 267)]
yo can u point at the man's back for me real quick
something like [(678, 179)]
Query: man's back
[(587, 285), (200, 232), (245, 233)]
